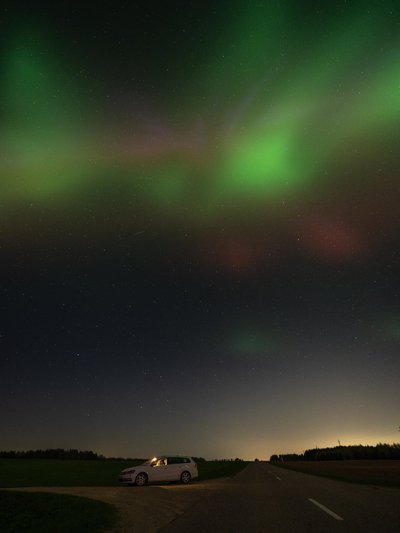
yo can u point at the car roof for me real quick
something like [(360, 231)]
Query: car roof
[(172, 455)]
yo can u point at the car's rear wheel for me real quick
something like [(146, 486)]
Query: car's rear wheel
[(141, 479), (185, 477)]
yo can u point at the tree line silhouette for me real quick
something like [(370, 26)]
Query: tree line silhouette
[(61, 453), (342, 453), (52, 453)]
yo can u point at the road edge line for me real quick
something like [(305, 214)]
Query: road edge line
[(331, 513)]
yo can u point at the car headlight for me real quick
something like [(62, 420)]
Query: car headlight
[(131, 471)]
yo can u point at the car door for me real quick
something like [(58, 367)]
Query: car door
[(170, 473), (174, 470), (159, 472)]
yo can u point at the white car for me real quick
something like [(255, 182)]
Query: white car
[(159, 469)]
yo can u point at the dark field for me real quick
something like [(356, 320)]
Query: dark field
[(50, 513), (76, 473), (60, 472), (216, 469), (371, 472)]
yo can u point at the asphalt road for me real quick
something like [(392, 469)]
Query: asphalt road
[(263, 498)]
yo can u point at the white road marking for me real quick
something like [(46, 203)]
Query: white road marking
[(278, 478), (334, 515)]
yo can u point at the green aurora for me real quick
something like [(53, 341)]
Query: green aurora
[(281, 108)]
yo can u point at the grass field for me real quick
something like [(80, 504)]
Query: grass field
[(76, 473), (216, 469), (50, 513), (60, 473), (386, 473)]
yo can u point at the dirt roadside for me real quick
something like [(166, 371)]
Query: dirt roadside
[(145, 509)]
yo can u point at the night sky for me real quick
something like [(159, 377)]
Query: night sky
[(200, 226)]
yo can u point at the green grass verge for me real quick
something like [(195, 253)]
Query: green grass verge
[(216, 469), (76, 473), (385, 473), (60, 473), (53, 513)]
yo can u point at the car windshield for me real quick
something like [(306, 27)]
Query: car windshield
[(150, 461), (157, 461)]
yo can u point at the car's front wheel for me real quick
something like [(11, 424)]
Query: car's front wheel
[(141, 479), (185, 477)]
